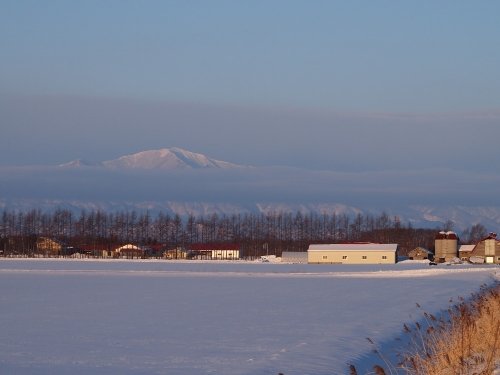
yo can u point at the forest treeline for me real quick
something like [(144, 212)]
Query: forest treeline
[(257, 234)]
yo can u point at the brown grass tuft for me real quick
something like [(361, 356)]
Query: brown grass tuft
[(467, 342)]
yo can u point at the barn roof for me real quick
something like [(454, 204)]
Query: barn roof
[(466, 248), (421, 249), (130, 247), (214, 246), (354, 247)]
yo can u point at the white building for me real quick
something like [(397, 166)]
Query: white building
[(354, 253)]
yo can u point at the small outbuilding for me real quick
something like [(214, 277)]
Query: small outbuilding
[(294, 257), (465, 251), (420, 253), (352, 253)]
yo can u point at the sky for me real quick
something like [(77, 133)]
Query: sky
[(336, 85)]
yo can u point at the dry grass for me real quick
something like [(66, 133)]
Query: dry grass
[(466, 342)]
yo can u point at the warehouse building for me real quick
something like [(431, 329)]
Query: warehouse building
[(353, 253)]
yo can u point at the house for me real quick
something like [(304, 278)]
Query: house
[(50, 247), (352, 253), (487, 249), (219, 251), (419, 253)]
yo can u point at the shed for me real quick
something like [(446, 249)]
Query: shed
[(464, 251), (420, 253), (294, 257)]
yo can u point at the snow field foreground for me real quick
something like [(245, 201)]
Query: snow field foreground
[(80, 317)]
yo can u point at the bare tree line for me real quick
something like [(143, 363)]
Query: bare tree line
[(274, 232)]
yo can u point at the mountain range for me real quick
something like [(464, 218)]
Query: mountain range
[(178, 181)]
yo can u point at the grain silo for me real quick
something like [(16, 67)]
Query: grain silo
[(446, 246)]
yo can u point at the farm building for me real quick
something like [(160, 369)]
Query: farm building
[(464, 251), (446, 246), (50, 247), (177, 253), (354, 253), (294, 257), (219, 251), (96, 250), (419, 253), (130, 251), (488, 249)]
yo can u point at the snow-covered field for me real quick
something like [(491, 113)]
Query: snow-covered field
[(189, 318)]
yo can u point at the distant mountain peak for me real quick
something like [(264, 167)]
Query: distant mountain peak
[(167, 158), (77, 164)]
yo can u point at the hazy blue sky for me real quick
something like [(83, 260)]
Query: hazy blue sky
[(346, 85)]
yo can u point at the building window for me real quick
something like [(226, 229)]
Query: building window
[(325, 257), (344, 256), (364, 257), (384, 256)]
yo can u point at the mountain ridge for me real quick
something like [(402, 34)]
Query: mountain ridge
[(418, 216)]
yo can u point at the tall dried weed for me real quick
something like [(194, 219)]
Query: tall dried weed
[(464, 341)]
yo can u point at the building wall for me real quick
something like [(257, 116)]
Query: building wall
[(351, 257), (130, 254), (465, 255), (420, 254), (48, 246), (225, 254), (175, 254), (465, 252)]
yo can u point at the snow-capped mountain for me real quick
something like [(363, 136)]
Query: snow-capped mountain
[(165, 158)]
